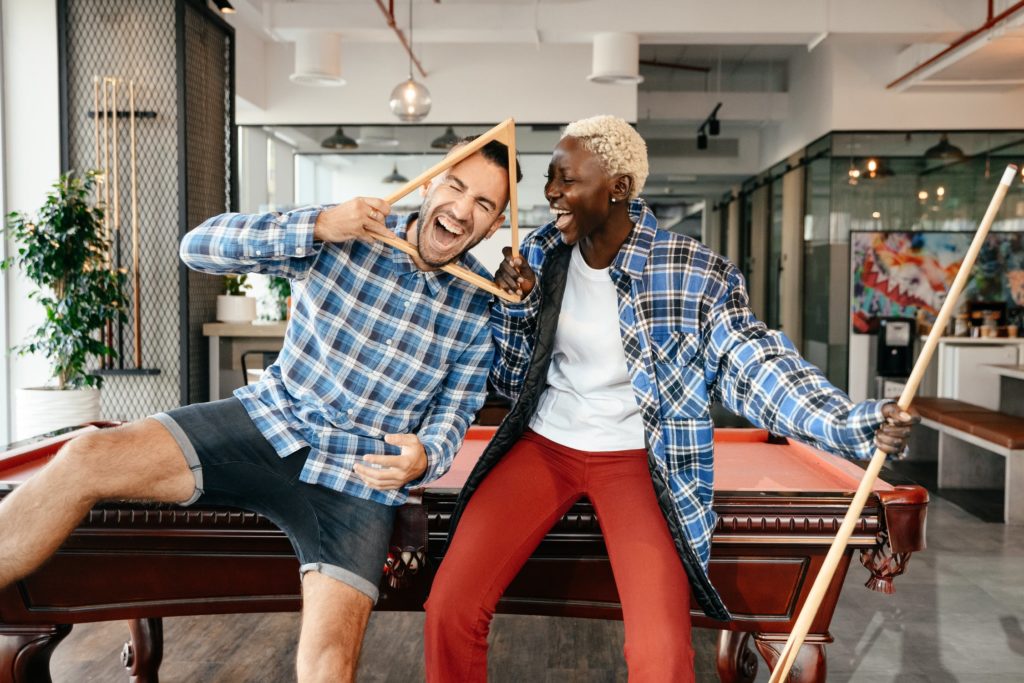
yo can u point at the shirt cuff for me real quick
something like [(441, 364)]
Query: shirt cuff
[(861, 424), (527, 307), (298, 234)]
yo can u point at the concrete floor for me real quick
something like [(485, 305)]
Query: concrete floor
[(957, 615)]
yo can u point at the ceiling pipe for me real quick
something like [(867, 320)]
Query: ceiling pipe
[(987, 26), (389, 15)]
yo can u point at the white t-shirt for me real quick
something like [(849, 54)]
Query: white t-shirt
[(589, 404)]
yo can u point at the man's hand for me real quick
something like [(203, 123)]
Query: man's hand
[(358, 218), (514, 274), (892, 436), (394, 471)]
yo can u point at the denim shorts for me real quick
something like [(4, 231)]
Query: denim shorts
[(334, 533)]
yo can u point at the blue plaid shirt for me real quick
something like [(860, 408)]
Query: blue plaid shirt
[(690, 338), (374, 346)]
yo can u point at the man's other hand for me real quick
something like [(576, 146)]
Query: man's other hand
[(390, 472)]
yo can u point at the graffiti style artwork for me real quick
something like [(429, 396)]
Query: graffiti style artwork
[(907, 274)]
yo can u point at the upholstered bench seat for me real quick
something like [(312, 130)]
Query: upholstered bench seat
[(965, 432)]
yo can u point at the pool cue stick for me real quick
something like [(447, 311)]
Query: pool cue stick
[(136, 280), (499, 132), (115, 182), (109, 339), (106, 178), (96, 125), (828, 568)]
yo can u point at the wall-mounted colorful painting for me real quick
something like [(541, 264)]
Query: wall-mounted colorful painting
[(906, 273)]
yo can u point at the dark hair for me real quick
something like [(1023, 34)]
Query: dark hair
[(495, 152)]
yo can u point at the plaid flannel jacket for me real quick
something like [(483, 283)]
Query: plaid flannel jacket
[(690, 339), (374, 346)]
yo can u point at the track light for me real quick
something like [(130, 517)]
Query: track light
[(224, 6), (711, 123), (338, 140)]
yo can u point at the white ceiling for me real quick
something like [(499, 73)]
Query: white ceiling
[(740, 48)]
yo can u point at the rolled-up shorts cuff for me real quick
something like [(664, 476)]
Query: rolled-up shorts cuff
[(343, 575), (191, 457)]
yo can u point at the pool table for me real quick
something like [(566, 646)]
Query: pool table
[(779, 502)]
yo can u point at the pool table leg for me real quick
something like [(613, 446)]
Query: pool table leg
[(25, 651), (142, 655), (810, 664), (736, 662)]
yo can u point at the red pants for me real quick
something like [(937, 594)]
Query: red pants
[(515, 506)]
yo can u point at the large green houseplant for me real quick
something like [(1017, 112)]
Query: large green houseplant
[(64, 252)]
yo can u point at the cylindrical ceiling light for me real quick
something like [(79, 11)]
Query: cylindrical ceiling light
[(410, 100), (318, 60), (616, 59)]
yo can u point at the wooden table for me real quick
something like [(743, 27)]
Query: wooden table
[(227, 342)]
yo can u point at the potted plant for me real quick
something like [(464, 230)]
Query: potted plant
[(281, 290), (233, 306), (64, 252)]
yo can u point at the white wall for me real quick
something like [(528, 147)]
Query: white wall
[(31, 153), (810, 105), (476, 84), (250, 70)]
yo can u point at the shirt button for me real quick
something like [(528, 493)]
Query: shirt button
[(350, 411), (259, 253), (388, 342), (298, 252)]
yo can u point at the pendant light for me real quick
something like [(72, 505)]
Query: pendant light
[(410, 100), (394, 176), (338, 140), (446, 140)]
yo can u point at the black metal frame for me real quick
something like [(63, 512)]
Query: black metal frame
[(65, 152)]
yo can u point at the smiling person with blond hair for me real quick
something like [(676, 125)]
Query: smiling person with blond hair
[(613, 370)]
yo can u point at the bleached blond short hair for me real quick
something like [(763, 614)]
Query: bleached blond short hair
[(617, 144)]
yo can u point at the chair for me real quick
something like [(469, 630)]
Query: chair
[(267, 359)]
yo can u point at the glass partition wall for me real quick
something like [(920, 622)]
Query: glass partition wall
[(875, 181)]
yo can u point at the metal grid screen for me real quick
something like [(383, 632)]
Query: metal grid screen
[(137, 40)]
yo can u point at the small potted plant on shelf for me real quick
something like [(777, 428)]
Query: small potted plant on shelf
[(233, 306), (65, 253), (281, 290)]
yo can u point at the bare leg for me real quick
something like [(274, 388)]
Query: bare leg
[(334, 617), (139, 461)]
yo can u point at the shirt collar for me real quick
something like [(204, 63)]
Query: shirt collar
[(404, 264), (632, 256)]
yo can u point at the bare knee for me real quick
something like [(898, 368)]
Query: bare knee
[(334, 618), (140, 460)]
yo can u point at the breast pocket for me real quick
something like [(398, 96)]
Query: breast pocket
[(679, 375)]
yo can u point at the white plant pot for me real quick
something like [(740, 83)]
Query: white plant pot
[(43, 409), (236, 309)]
